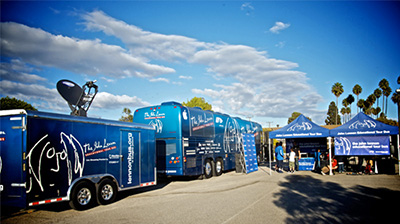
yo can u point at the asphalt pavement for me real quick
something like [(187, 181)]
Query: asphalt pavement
[(302, 197)]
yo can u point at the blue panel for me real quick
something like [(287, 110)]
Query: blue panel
[(250, 155), (362, 145), (12, 147), (130, 149), (306, 164)]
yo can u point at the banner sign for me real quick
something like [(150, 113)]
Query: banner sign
[(362, 146), (306, 163), (250, 155), (309, 145)]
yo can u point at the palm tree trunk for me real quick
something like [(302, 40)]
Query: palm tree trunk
[(386, 105), (337, 110)]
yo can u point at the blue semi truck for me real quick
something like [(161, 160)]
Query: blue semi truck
[(191, 141), (47, 158)]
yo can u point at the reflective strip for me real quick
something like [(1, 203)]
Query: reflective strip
[(147, 184), (47, 201)]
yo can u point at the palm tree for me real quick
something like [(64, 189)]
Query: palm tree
[(350, 100), (378, 94), (337, 90), (357, 91), (387, 93), (343, 112), (383, 84), (345, 103), (396, 100), (360, 104)]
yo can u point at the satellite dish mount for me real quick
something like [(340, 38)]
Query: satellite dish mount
[(79, 98)]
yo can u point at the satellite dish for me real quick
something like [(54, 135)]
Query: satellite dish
[(70, 91), (79, 98)]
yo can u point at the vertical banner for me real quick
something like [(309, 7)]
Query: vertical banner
[(250, 155), (362, 145)]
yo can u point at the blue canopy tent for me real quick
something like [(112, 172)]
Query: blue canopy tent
[(301, 127), (364, 125), (363, 136)]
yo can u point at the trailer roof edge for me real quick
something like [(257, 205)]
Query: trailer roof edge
[(12, 112)]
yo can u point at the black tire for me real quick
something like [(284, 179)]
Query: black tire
[(106, 192), (82, 196), (208, 168), (219, 167)]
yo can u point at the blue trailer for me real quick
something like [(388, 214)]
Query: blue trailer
[(47, 158), (192, 141)]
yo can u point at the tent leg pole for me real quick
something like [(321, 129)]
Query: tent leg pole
[(330, 156), (269, 151)]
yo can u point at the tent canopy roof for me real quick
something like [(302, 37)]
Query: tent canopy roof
[(301, 127), (363, 125)]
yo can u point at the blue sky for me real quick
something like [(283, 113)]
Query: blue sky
[(258, 59)]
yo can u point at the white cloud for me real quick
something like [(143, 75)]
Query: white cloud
[(91, 57), (185, 77), (49, 99), (263, 86), (16, 70), (37, 95), (105, 100), (144, 44), (159, 80), (279, 26)]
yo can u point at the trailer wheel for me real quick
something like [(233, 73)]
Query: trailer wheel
[(219, 167), (208, 168), (106, 192), (82, 196)]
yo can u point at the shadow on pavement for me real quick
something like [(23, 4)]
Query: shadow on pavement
[(309, 200)]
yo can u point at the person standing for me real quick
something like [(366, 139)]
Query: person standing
[(292, 156), (317, 160), (298, 156), (340, 160), (279, 156)]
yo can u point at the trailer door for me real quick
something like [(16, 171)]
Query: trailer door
[(130, 162), (12, 160)]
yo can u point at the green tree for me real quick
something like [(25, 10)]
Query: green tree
[(357, 91), (332, 111), (126, 115), (198, 102), (294, 116), (7, 103), (337, 90)]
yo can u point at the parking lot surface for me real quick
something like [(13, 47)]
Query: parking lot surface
[(302, 197)]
